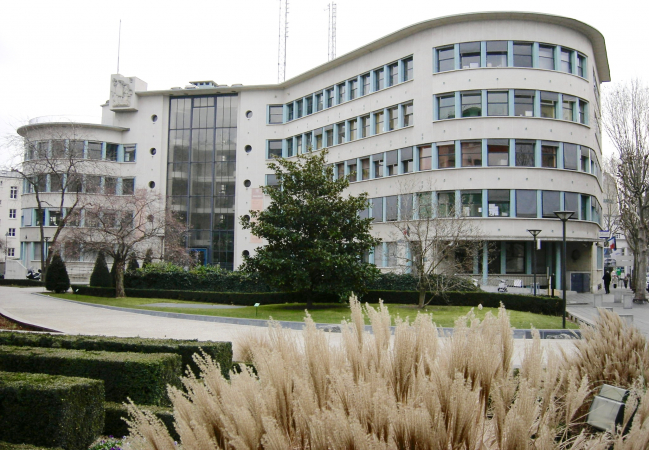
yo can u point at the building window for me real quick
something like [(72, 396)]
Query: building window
[(391, 208), (393, 74), (330, 97), (308, 105), (581, 65), (111, 152), (570, 156), (408, 69), (377, 160), (378, 122), (12, 213), (522, 54), (407, 111), (571, 203), (393, 118), (497, 54), (566, 60), (471, 153), (470, 55), (129, 153), (13, 192), (318, 139), (309, 142), (11, 232), (128, 186), (446, 107), (472, 104), (353, 88), (584, 207), (298, 144), (340, 170), (425, 204), (546, 57), (11, 251), (55, 218), (446, 155), (289, 147), (318, 102), (365, 168), (549, 152), (58, 148), (425, 158), (342, 90), (329, 135), (391, 163), (407, 161), (352, 171), (365, 81), (497, 103), (446, 58), (377, 210), (498, 152), (525, 203), (515, 259), (524, 153), (365, 126), (569, 107), (379, 79), (582, 112), (353, 129), (551, 203), (110, 186), (549, 104), (275, 114), (446, 204), (290, 112), (341, 133), (498, 202), (298, 109), (94, 150), (274, 149), (472, 203), (272, 181), (585, 163), (524, 103)]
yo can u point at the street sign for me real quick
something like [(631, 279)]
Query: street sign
[(604, 234)]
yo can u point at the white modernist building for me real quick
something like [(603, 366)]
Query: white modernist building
[(492, 114), (10, 184)]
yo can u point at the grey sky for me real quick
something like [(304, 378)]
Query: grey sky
[(56, 57)]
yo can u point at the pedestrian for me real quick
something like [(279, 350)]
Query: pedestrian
[(615, 279), (626, 281), (607, 281)]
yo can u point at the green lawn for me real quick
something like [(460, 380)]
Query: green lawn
[(443, 316)]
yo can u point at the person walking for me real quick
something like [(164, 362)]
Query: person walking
[(615, 279), (626, 281), (607, 281)]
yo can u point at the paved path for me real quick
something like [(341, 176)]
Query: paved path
[(73, 318)]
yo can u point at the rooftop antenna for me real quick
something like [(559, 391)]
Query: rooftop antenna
[(119, 42), (331, 45), (283, 34)]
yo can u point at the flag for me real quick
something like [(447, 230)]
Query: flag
[(406, 231), (613, 243)]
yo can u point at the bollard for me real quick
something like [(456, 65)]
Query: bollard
[(628, 318), (617, 297), (598, 301), (628, 301)]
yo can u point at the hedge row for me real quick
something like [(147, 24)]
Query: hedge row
[(517, 302), (20, 282), (220, 352), (140, 376), (117, 412), (10, 446), (50, 411)]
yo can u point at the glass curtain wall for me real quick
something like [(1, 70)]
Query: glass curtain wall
[(201, 173)]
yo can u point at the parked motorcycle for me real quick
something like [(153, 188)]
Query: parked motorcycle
[(502, 286), (34, 275)]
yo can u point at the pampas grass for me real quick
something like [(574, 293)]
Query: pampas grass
[(408, 391)]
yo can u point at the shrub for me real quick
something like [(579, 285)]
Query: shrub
[(390, 281), (148, 258), (56, 278), (20, 282), (100, 276), (50, 411), (220, 352), (9, 446), (113, 275), (117, 412), (132, 263), (141, 377)]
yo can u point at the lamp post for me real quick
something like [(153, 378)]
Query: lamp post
[(534, 234), (564, 216), (46, 252)]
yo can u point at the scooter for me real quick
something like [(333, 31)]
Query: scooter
[(31, 275), (502, 286)]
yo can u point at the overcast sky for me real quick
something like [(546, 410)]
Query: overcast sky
[(56, 57)]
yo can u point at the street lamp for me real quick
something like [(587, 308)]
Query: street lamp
[(564, 216), (534, 234), (46, 252)]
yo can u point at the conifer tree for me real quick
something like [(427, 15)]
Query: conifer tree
[(148, 258), (132, 263), (100, 276), (56, 278)]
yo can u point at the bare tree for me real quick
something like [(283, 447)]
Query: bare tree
[(438, 243), (52, 164), (626, 121), (122, 226), (611, 208)]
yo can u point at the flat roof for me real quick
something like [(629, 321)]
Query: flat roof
[(21, 130), (596, 38)]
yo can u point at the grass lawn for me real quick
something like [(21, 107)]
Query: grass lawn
[(443, 316)]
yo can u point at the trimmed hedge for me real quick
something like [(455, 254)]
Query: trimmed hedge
[(9, 446), (139, 376), (50, 411), (220, 352), (116, 413), (20, 282)]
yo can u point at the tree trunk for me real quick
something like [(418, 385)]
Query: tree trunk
[(422, 297), (119, 279), (641, 272)]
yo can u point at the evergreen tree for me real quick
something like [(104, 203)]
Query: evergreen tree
[(100, 276), (113, 274), (56, 278), (132, 263), (148, 258)]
